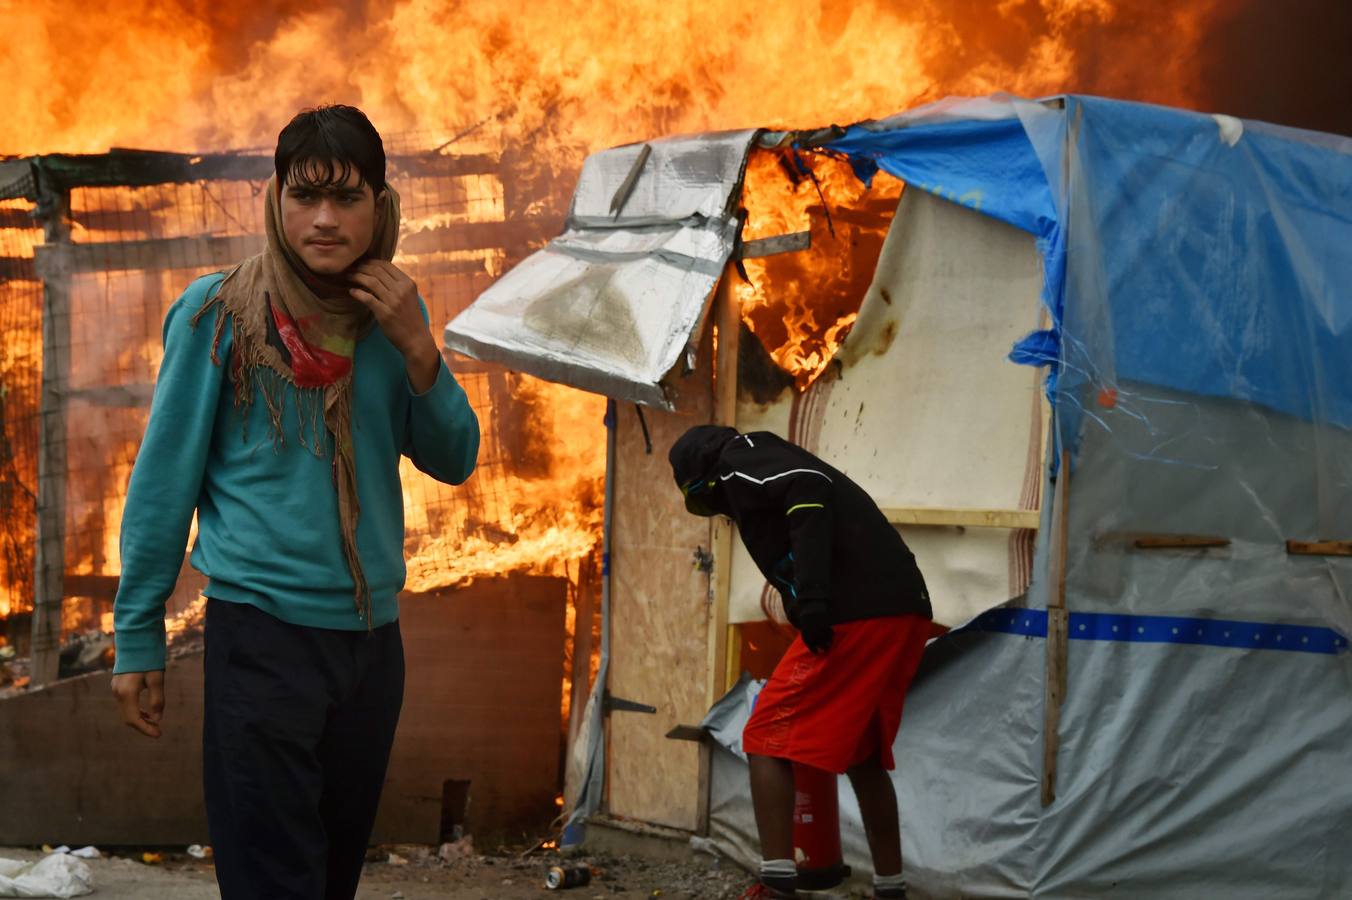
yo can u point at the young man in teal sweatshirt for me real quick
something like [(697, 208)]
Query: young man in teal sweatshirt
[(289, 390)]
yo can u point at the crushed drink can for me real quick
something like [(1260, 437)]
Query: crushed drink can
[(560, 878)]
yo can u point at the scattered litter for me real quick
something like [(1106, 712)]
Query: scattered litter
[(56, 875), (397, 895), (704, 845), (197, 851), (561, 878), (90, 852), (152, 859), (396, 860), (461, 849)]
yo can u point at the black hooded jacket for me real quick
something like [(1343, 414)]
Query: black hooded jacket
[(814, 533)]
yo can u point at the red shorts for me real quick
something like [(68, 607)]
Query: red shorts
[(843, 708)]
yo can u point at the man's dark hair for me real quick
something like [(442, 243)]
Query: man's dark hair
[(321, 147)]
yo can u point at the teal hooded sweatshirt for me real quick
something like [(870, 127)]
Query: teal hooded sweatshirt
[(267, 508)]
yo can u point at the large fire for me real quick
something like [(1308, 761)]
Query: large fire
[(537, 87), (801, 305), (563, 75)]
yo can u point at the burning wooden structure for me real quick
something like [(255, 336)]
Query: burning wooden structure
[(93, 249), (1146, 690), (762, 237)]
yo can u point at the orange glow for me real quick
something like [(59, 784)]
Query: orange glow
[(801, 305), (541, 86), (567, 76)]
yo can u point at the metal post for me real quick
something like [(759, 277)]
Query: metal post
[(49, 554)]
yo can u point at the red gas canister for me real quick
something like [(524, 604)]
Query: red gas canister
[(816, 829)]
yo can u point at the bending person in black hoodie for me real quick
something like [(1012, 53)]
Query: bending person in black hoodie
[(852, 589)]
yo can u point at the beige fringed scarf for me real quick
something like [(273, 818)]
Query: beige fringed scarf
[(295, 329)]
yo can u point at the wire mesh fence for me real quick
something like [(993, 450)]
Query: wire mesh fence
[(94, 250)]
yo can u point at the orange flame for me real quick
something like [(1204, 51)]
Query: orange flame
[(801, 305), (563, 75)]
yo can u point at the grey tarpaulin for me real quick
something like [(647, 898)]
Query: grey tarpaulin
[(1201, 333), (1197, 776), (614, 303)]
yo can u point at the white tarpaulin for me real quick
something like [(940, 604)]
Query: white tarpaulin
[(57, 875), (616, 303)]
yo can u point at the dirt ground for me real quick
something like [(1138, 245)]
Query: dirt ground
[(417, 874)]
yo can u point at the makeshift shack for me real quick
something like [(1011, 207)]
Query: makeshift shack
[(1146, 687)]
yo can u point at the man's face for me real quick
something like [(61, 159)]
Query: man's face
[(328, 226)]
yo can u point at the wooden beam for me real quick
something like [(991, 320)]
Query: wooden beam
[(1319, 548), (727, 319), (1057, 619), (100, 586), (734, 667), (966, 518), (1178, 541), (773, 246), (199, 252), (217, 251), (131, 168), (507, 234), (50, 545)]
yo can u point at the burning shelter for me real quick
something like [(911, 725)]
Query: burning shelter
[(1145, 687), (93, 250)]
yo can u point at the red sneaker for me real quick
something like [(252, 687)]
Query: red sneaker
[(762, 891)]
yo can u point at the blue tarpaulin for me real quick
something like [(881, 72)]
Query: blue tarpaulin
[(1186, 251)]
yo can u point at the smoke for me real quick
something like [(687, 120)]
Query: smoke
[(1287, 63)]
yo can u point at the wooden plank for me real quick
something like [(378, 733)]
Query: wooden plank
[(139, 168), (659, 607), (508, 234), (102, 586), (199, 252), (218, 251), (734, 668), (1057, 617), (727, 319), (1178, 541), (487, 713), (50, 545), (1054, 695), (966, 518), (773, 246), (1319, 548), (584, 612)]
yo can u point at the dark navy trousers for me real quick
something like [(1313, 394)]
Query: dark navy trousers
[(298, 724)]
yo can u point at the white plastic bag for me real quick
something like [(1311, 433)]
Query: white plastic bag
[(58, 875)]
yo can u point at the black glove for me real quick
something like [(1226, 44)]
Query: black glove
[(815, 628)]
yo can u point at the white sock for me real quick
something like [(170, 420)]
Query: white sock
[(778, 868), (891, 882)]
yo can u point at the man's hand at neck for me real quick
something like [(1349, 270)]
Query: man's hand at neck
[(392, 298)]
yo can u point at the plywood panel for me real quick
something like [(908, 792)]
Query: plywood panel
[(659, 619), (484, 664), (481, 704), (923, 408)]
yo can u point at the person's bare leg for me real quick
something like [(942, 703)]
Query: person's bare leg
[(878, 807), (772, 798)]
